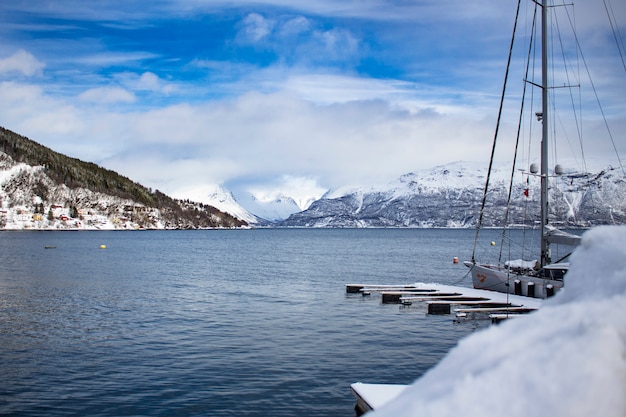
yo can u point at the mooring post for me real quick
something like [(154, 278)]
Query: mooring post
[(438, 308), (353, 288)]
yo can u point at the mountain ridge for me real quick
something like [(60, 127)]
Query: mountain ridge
[(450, 196)]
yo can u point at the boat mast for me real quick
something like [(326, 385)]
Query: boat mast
[(545, 248)]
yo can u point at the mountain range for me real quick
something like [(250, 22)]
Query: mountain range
[(451, 196), (42, 189)]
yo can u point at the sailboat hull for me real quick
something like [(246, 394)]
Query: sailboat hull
[(500, 279)]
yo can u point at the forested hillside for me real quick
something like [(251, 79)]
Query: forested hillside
[(63, 171)]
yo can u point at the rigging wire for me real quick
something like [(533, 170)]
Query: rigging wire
[(619, 41), (576, 112), (517, 141), (595, 92), (493, 148), (533, 46), (526, 153)]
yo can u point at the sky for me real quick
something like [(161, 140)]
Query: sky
[(564, 360), (283, 97)]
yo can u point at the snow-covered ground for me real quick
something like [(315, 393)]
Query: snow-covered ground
[(566, 359)]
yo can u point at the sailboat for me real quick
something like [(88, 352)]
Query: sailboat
[(541, 278)]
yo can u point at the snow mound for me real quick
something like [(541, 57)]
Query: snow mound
[(567, 359), (598, 266)]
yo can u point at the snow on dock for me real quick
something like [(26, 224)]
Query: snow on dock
[(372, 396), (440, 298)]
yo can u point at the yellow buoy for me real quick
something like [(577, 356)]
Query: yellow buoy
[(103, 246), (493, 243)]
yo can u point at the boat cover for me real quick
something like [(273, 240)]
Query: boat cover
[(560, 237), (520, 264)]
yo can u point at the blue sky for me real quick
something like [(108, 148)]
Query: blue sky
[(275, 95)]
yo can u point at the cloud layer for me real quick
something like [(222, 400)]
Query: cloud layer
[(273, 96)]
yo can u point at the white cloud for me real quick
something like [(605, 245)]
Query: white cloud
[(324, 88), (104, 59), (149, 81), (107, 95), (21, 62), (303, 190), (284, 137), (146, 81), (27, 109), (298, 40), (16, 93), (179, 177), (337, 43), (295, 26), (255, 28)]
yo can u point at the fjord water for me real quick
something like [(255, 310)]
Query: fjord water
[(216, 322)]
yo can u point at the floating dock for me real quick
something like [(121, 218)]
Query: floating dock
[(440, 299)]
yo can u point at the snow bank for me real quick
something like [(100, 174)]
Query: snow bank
[(567, 359)]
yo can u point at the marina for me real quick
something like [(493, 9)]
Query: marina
[(439, 299), (508, 287), (561, 346)]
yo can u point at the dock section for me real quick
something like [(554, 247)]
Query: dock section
[(439, 299), (448, 299)]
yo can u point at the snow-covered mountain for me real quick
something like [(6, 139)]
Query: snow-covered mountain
[(250, 208), (269, 210), (451, 195), (224, 200)]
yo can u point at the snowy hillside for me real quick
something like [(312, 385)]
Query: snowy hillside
[(451, 195), (30, 199)]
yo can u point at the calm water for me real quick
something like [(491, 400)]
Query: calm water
[(216, 323)]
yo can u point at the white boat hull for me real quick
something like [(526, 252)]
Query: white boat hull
[(500, 279)]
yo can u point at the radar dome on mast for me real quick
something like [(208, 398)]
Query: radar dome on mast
[(558, 169), (534, 168)]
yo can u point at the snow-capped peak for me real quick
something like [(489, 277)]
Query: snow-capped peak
[(224, 200)]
